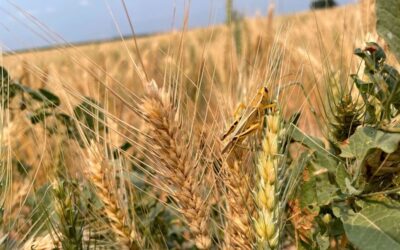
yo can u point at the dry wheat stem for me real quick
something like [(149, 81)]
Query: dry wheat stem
[(176, 165), (266, 223)]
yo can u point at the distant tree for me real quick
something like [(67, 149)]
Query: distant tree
[(233, 20), (229, 8), (320, 4)]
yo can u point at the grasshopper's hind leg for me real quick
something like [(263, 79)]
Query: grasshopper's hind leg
[(248, 131), (240, 137)]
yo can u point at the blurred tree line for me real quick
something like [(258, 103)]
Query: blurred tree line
[(320, 4)]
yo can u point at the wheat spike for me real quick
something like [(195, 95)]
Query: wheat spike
[(45, 242), (175, 163), (97, 173), (267, 224), (238, 229)]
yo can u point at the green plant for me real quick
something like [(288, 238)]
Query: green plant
[(388, 23), (351, 184)]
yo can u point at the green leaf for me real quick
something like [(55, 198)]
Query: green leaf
[(4, 76), (388, 23), (50, 98), (336, 227), (341, 176), (90, 116), (340, 209), (308, 141), (374, 227), (323, 241), (322, 161), (8, 89), (308, 193), (326, 190), (42, 95), (39, 116), (42, 203), (33, 93), (351, 189), (368, 138), (363, 87)]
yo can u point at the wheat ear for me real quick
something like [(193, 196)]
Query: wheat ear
[(175, 163), (125, 233), (267, 221), (238, 229), (45, 242)]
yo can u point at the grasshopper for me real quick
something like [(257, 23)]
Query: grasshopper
[(251, 120)]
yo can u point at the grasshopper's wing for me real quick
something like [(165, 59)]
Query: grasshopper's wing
[(245, 124), (240, 126), (230, 130)]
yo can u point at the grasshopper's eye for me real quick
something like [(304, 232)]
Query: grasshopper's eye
[(265, 93)]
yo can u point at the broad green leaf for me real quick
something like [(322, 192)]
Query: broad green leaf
[(294, 177), (323, 241), (308, 193), (322, 161), (336, 227), (326, 190), (311, 142), (368, 138), (388, 23), (50, 98), (322, 169), (42, 95), (374, 227), (340, 209), (308, 141), (341, 176)]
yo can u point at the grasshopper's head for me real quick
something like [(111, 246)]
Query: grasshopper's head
[(264, 95)]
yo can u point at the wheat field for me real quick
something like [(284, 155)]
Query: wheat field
[(177, 140)]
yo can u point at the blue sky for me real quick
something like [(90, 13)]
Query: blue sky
[(85, 20)]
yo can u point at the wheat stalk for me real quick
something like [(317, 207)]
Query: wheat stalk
[(174, 162), (267, 221)]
